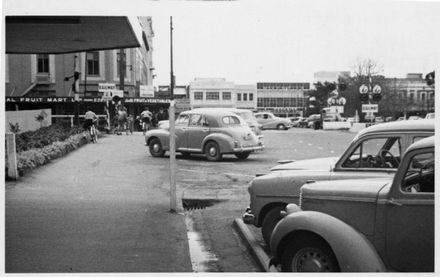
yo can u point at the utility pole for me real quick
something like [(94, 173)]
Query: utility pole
[(171, 113)]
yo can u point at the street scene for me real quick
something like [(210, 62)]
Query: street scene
[(149, 142)]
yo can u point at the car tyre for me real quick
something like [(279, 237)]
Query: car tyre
[(242, 155), (156, 149), (308, 254), (269, 221), (281, 127), (212, 151)]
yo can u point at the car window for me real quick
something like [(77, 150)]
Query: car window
[(195, 120), (258, 116), (183, 119), (375, 153), (231, 120), (417, 138), (419, 177), (266, 116)]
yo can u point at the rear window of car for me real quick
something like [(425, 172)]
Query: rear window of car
[(231, 120)]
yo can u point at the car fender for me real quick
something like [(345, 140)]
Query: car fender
[(225, 142), (353, 250), (162, 135)]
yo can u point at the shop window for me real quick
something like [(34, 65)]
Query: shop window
[(93, 63), (43, 63)]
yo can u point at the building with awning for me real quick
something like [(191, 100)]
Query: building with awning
[(42, 52)]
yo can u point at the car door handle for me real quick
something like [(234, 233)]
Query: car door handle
[(393, 202)]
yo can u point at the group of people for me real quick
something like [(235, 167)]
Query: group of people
[(124, 122)]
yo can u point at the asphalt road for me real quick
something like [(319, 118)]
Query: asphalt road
[(97, 209)]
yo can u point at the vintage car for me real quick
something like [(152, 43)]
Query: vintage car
[(374, 152), (270, 121), (369, 225), (212, 132)]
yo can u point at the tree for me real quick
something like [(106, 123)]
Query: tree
[(320, 95)]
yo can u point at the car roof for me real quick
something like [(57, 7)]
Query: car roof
[(210, 111), (400, 126), (423, 143)]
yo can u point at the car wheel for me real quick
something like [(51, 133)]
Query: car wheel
[(242, 155), (156, 149), (308, 254), (269, 221), (281, 127), (212, 151)]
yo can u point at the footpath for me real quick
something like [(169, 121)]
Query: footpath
[(101, 208)]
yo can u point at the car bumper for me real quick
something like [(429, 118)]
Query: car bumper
[(248, 148), (248, 217)]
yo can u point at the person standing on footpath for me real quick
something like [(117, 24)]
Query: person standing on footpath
[(130, 123), (146, 118)]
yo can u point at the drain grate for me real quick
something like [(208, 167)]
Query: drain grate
[(198, 204)]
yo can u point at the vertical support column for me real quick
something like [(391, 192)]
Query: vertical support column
[(173, 197), (12, 156)]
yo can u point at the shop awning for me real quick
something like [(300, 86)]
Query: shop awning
[(69, 34)]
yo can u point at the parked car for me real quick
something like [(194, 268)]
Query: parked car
[(388, 118), (379, 119), (269, 121), (212, 132), (430, 116), (375, 151), (414, 117), (367, 225), (297, 122), (313, 120)]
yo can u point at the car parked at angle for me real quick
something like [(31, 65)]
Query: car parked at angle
[(297, 122), (212, 132), (269, 121), (369, 225), (375, 151), (430, 116), (313, 120)]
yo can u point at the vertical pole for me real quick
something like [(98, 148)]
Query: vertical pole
[(121, 69), (12, 156), (76, 87), (171, 113), (85, 73)]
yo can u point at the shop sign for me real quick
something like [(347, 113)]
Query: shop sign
[(146, 91), (370, 108)]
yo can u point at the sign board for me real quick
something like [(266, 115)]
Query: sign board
[(179, 91), (370, 108), (336, 109), (146, 91), (377, 89), (18, 100), (363, 89), (119, 93), (106, 86)]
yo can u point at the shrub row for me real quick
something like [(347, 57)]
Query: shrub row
[(30, 159), (44, 137)]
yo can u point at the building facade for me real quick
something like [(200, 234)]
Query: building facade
[(217, 92), (45, 81), (283, 99), (407, 96)]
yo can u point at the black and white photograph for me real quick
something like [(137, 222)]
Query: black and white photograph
[(211, 136)]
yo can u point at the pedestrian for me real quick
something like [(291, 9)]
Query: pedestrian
[(146, 118), (122, 120), (161, 115), (130, 123)]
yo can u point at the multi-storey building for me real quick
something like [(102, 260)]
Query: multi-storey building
[(283, 99), (45, 81), (406, 96), (217, 92)]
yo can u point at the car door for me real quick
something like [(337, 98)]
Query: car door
[(197, 131), (181, 127), (410, 215)]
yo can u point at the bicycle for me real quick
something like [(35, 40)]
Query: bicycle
[(93, 133)]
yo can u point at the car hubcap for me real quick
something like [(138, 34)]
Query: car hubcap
[(212, 151), (311, 260), (156, 147)]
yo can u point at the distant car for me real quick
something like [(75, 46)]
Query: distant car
[(379, 119), (312, 120), (401, 118), (212, 132), (297, 122), (375, 151), (269, 121), (430, 116), (363, 225), (414, 117), (388, 118)]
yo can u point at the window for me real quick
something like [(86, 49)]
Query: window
[(195, 120), (43, 63), (251, 97), (375, 153), (244, 96), (419, 176), (198, 95), (212, 95), (226, 95), (238, 96), (118, 61), (93, 63), (231, 120), (183, 120)]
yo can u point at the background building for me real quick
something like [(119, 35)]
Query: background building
[(329, 76), (283, 99)]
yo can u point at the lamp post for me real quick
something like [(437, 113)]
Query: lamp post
[(171, 113)]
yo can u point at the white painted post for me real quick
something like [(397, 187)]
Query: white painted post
[(173, 197), (71, 122), (12, 156)]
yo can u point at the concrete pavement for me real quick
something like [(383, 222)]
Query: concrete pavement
[(81, 213)]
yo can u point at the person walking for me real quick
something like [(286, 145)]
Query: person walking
[(146, 118), (122, 120), (130, 123)]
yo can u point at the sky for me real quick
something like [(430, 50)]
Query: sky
[(253, 41)]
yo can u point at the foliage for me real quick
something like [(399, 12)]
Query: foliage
[(44, 136), (14, 128), (321, 94), (30, 159)]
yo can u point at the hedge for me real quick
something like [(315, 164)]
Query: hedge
[(30, 159)]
